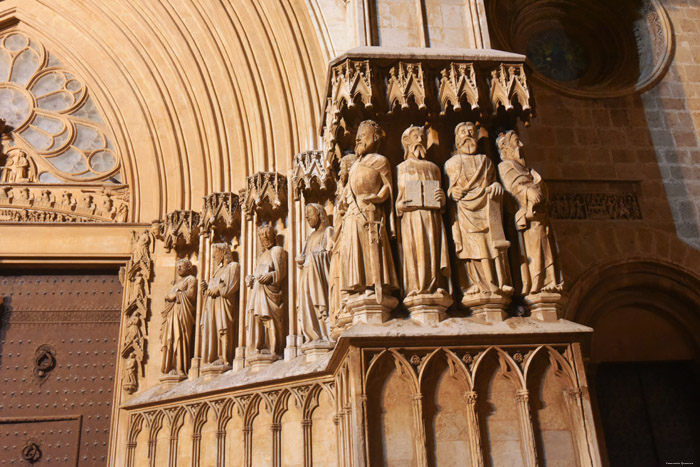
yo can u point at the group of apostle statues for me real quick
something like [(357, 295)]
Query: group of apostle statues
[(347, 268)]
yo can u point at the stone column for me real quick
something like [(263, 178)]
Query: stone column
[(473, 427), (527, 435)]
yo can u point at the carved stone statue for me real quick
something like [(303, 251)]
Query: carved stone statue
[(178, 322), (477, 227), (220, 308), (423, 240), (368, 272), (265, 307), (131, 374), (338, 297), (539, 271), (314, 261), (18, 167)]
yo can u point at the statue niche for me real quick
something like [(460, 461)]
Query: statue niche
[(313, 294), (265, 308), (539, 271), (368, 276), (477, 228), (424, 254), (220, 311), (178, 323)]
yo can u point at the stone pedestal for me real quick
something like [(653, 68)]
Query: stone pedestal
[(487, 307), (214, 369), (260, 360), (546, 306), (428, 308), (291, 350), (365, 309), (314, 350), (239, 359), (171, 380)]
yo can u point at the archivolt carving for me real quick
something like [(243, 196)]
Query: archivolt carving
[(67, 203)]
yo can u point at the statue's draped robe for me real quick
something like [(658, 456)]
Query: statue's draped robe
[(265, 307), (313, 292), (470, 229), (219, 314), (367, 177), (537, 255), (425, 258), (178, 324)]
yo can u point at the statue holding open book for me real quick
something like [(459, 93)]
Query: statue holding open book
[(424, 254)]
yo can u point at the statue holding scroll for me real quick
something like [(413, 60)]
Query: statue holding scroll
[(477, 227), (537, 254), (220, 308), (178, 321), (265, 308), (368, 272), (314, 262), (423, 240)]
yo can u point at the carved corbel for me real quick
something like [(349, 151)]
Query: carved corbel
[(309, 173), (180, 230), (221, 212), (457, 85), (406, 80), (508, 85), (265, 195)]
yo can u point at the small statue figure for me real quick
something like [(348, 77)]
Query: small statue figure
[(18, 168), (366, 205), (477, 229), (539, 271), (314, 261), (265, 307), (131, 378), (425, 258), (220, 310), (178, 321)]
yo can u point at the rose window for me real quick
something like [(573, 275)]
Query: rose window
[(50, 114)]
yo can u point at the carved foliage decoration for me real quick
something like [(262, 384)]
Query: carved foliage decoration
[(458, 84), (266, 195), (52, 117), (67, 203), (309, 172), (406, 81), (221, 212), (508, 84), (136, 277), (180, 230)]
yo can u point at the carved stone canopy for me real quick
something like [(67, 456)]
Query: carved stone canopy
[(266, 195), (221, 212), (376, 83), (310, 173), (180, 230)]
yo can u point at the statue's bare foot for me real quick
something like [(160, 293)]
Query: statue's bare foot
[(507, 289), (473, 290)]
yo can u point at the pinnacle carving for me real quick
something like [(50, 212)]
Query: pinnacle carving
[(457, 85), (406, 81), (508, 85), (266, 195), (180, 230), (352, 80), (221, 212), (309, 172)]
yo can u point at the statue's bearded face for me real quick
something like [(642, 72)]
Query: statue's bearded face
[(366, 140), (218, 255), (267, 238), (510, 149), (312, 217), (465, 139), (416, 142)]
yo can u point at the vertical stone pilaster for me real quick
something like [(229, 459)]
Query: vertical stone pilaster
[(527, 435), (474, 432), (419, 431)]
